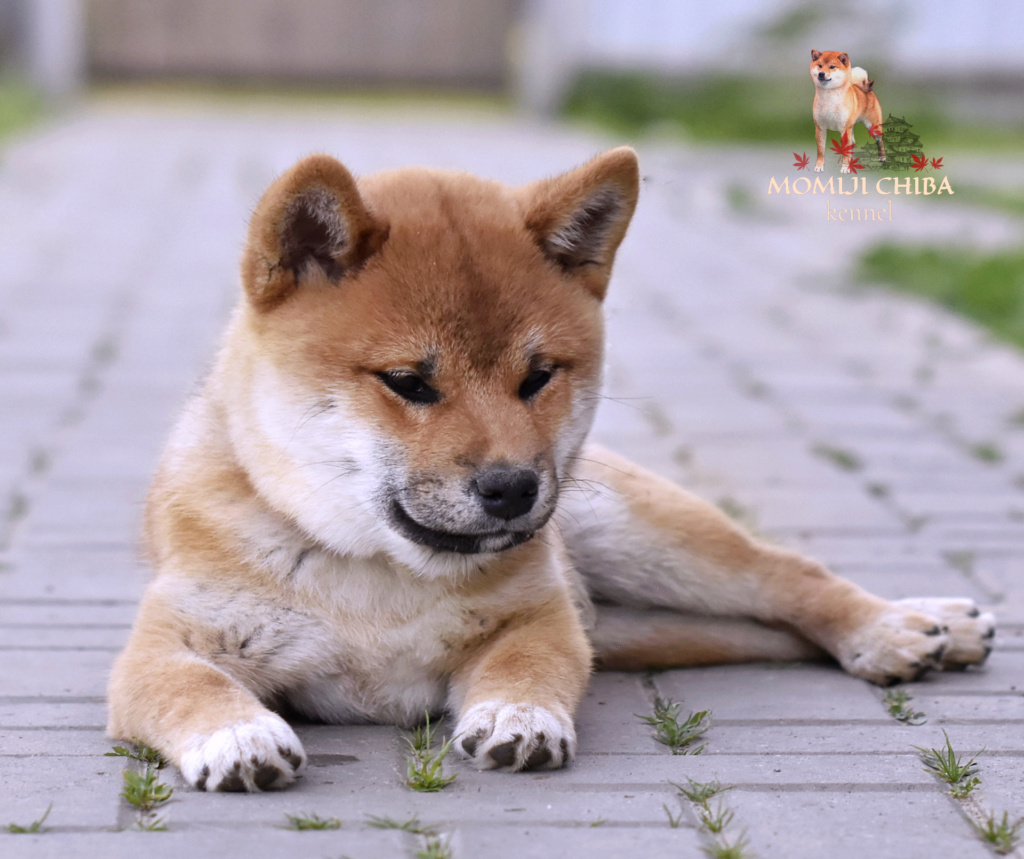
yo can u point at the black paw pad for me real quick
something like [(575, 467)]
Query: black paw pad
[(504, 754), (266, 775), (204, 774), (935, 630), (540, 755), (469, 744), (891, 680), (232, 782)]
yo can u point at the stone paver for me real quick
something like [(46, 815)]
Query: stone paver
[(844, 421)]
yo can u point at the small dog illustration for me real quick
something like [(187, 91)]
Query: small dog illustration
[(843, 96)]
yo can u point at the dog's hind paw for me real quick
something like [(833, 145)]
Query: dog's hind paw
[(971, 631), (500, 735), (899, 643), (261, 754)]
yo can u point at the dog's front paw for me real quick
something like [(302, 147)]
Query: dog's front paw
[(898, 644), (496, 734), (818, 168), (971, 630), (262, 754), (845, 168)]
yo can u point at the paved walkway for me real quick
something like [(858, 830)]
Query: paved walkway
[(872, 431)]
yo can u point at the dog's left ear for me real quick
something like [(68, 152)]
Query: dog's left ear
[(844, 59), (579, 219)]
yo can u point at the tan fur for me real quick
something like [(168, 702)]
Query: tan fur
[(843, 96), (379, 504)]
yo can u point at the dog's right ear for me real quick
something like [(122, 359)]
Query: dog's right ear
[(310, 225), (814, 54)]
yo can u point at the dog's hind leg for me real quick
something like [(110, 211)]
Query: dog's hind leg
[(635, 639), (642, 542)]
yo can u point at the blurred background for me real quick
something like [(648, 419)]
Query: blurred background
[(710, 74)]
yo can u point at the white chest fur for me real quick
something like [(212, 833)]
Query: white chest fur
[(831, 110)]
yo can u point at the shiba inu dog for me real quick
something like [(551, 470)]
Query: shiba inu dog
[(381, 502), (842, 98)]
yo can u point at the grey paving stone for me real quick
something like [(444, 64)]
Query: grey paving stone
[(49, 715), (1007, 710), (74, 673), (67, 612), (223, 840), (608, 716), (83, 789), (77, 571), (852, 824), (534, 843), (761, 766), (771, 692)]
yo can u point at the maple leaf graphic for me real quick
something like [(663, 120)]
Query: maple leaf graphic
[(937, 163), (855, 165), (801, 161), (920, 162), (842, 148), (876, 131)]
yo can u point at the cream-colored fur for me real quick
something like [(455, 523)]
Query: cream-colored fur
[(380, 503)]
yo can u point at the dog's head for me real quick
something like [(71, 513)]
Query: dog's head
[(416, 361), (829, 69)]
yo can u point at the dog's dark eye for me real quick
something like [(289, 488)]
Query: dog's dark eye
[(831, 67), (410, 387), (533, 383)]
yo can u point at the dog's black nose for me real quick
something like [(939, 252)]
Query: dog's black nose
[(821, 76), (505, 492)]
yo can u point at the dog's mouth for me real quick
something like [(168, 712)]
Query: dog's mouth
[(450, 541)]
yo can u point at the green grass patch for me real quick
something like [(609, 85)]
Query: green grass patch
[(986, 287), (723, 108), (20, 106), (310, 822)]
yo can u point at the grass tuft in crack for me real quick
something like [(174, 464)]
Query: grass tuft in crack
[(141, 752), (716, 821), (678, 736), (722, 848), (304, 822), (34, 827), (435, 848), (948, 765), (144, 790), (896, 701), (845, 459), (673, 820), (699, 792), (1000, 833), (411, 825), (425, 767)]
